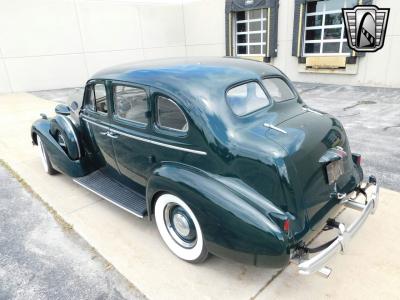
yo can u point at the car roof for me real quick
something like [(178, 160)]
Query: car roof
[(204, 77)]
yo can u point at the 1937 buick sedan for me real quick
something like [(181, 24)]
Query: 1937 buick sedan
[(221, 152)]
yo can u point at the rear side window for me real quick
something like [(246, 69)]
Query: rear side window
[(130, 103), (170, 116), (278, 89), (98, 98), (246, 98)]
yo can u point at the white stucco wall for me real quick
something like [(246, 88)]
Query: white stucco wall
[(46, 44)]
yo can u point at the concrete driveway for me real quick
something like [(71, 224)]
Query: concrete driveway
[(43, 259), (135, 249)]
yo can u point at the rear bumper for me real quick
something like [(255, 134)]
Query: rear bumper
[(317, 262)]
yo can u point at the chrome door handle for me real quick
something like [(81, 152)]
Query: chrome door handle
[(112, 135), (104, 132)]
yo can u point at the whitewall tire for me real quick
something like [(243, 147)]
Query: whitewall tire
[(179, 228), (48, 168)]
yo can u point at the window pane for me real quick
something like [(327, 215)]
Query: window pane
[(278, 89), (255, 26), (312, 48), (331, 48), (315, 6), (130, 103), (351, 3), (255, 38), (242, 38), (334, 4), (333, 19), (246, 98), (100, 98), (255, 49), (313, 34), (332, 33), (241, 15), (170, 115), (89, 103), (314, 20), (241, 27), (255, 14), (242, 50), (345, 48)]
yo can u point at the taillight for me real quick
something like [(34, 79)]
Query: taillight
[(356, 159), (286, 225)]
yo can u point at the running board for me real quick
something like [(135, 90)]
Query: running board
[(114, 192)]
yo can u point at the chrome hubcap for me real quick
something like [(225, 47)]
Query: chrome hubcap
[(180, 226)]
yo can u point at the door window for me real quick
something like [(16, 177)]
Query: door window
[(97, 100), (170, 116), (130, 103)]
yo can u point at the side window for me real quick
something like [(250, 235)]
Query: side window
[(101, 98), (97, 100), (170, 116), (130, 103), (278, 89), (246, 98)]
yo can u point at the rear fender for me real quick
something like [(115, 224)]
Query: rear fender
[(232, 226), (59, 159)]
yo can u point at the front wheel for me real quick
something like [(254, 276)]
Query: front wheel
[(179, 228), (48, 168)]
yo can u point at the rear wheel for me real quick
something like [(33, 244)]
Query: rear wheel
[(48, 168), (179, 228)]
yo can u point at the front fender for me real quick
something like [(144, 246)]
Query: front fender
[(58, 158), (233, 227)]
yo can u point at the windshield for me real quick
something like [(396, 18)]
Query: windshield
[(278, 89), (246, 98)]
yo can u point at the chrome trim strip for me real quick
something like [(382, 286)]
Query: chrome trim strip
[(312, 111), (158, 143), (73, 132), (274, 128), (109, 200), (146, 140), (94, 123)]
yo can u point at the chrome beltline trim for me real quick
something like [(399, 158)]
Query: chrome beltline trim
[(95, 123), (147, 140), (73, 132), (158, 143)]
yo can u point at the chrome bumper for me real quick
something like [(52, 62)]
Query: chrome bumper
[(317, 262)]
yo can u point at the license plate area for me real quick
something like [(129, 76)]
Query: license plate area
[(334, 170)]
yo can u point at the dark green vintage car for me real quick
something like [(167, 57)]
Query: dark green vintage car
[(221, 152)]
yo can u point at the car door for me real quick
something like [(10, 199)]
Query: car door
[(130, 123), (95, 116)]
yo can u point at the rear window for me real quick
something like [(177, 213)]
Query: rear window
[(246, 98), (278, 89)]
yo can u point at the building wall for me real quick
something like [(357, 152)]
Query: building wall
[(375, 69), (46, 44)]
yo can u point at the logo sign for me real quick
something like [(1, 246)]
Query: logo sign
[(366, 27)]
